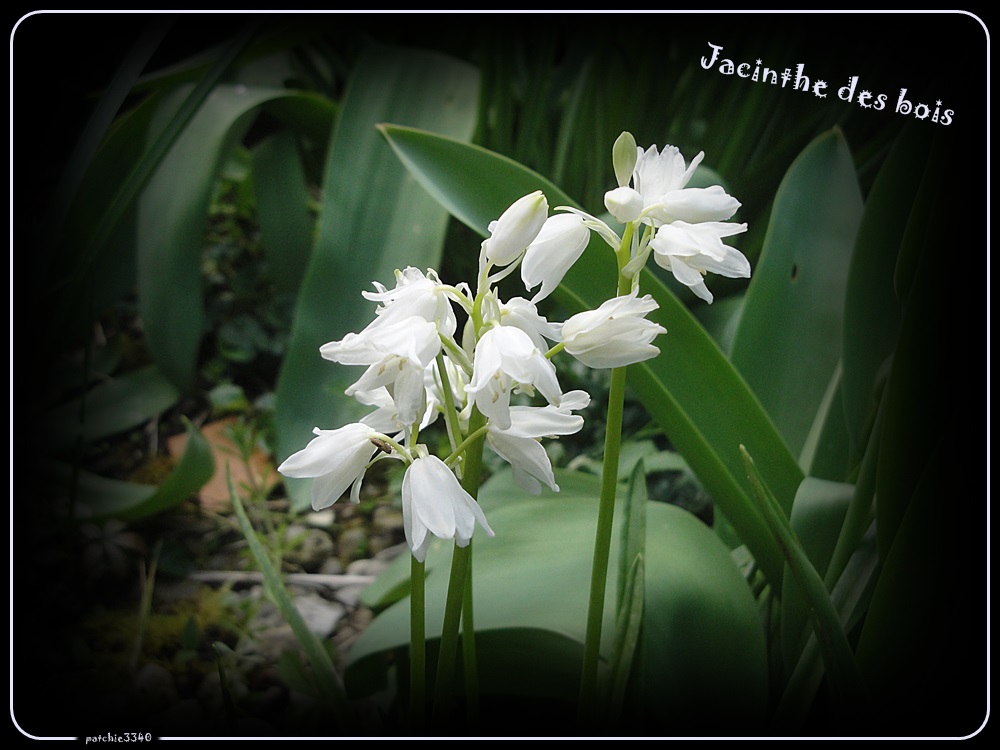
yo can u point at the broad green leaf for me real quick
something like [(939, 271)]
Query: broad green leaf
[(703, 647), (70, 289), (628, 629), (99, 497), (872, 311), (790, 332), (698, 398), (88, 253), (286, 227), (171, 222), (851, 596), (114, 406), (374, 219)]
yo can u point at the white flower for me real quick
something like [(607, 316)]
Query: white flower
[(521, 313), (415, 295), (335, 460), (434, 502), (558, 245), (689, 251), (396, 354), (661, 179), (615, 334), (506, 359), (519, 444), (515, 229)]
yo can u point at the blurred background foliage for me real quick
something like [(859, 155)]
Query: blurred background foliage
[(200, 199)]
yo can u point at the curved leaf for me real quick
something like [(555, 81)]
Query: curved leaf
[(703, 649), (286, 227), (171, 222), (691, 389), (114, 406), (374, 219), (872, 311), (817, 517), (789, 338), (100, 497)]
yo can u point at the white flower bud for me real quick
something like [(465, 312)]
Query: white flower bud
[(516, 228)]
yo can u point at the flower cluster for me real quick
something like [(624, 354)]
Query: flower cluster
[(435, 350)]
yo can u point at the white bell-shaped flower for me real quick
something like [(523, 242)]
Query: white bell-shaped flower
[(334, 460), (434, 504), (506, 359), (519, 444), (689, 251), (624, 203), (520, 313), (661, 178), (397, 354), (616, 334), (415, 295), (558, 245)]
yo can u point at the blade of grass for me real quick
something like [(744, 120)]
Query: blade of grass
[(318, 656)]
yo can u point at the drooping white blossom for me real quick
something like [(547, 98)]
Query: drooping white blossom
[(558, 245), (397, 354), (519, 444), (507, 360), (661, 178), (415, 295), (616, 334), (335, 460), (689, 251), (520, 313), (435, 504)]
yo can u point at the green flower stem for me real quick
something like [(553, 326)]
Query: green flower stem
[(588, 707), (418, 655), (464, 445), (450, 412), (449, 635), (459, 582), (469, 651), (602, 546)]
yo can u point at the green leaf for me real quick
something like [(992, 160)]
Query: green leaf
[(627, 632), (826, 453), (872, 311), (790, 333), (374, 219), (703, 648), (100, 497), (88, 255), (286, 226), (171, 222), (843, 677), (927, 354), (633, 529), (691, 389), (817, 517), (114, 406)]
